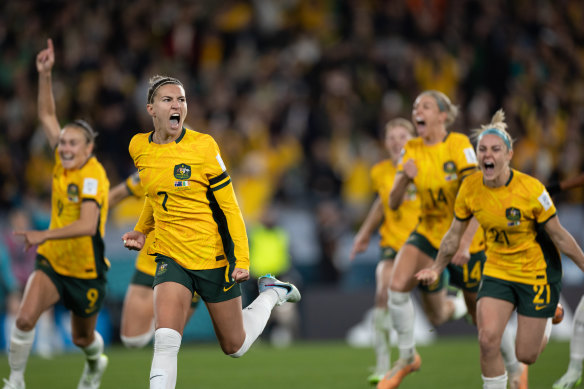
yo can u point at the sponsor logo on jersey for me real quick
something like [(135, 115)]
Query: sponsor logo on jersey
[(514, 216), (450, 170), (182, 171), (73, 193), (181, 183)]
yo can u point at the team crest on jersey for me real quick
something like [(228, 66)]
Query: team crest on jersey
[(411, 192), (514, 216), (450, 170), (73, 193), (182, 171)]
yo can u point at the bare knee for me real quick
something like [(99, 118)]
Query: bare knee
[(435, 319), (83, 341), (231, 346), (489, 343), (526, 356), (25, 323)]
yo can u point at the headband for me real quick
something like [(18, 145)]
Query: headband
[(499, 133), (157, 85)]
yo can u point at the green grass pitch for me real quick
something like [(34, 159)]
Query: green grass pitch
[(448, 363)]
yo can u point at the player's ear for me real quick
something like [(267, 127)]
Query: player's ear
[(150, 110)]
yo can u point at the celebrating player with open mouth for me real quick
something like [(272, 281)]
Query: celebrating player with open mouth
[(523, 267)]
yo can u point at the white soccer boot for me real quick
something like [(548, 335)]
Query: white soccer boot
[(287, 292), (92, 379), (13, 385)]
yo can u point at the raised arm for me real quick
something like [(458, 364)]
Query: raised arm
[(448, 247), (46, 101), (564, 241)]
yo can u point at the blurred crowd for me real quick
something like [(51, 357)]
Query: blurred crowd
[(296, 92)]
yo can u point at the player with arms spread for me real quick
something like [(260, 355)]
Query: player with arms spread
[(70, 264), (200, 240), (523, 267)]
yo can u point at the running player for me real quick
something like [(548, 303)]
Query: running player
[(200, 240), (523, 267), (70, 264)]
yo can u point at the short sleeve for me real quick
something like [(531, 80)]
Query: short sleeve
[(544, 208)]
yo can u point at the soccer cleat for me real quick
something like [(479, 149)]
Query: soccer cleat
[(558, 315), (92, 379), (519, 379), (374, 378), (399, 371), (286, 291), (13, 385), (568, 381)]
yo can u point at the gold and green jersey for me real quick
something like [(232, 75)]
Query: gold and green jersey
[(144, 262), (83, 256), (190, 203), (441, 169), (513, 215), (397, 225)]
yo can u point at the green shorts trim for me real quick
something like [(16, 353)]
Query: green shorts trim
[(83, 297), (423, 244), (141, 278), (388, 253), (530, 300), (468, 276), (210, 284)]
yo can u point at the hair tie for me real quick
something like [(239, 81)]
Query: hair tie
[(499, 133)]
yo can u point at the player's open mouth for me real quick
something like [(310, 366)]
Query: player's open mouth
[(488, 167), (67, 157), (174, 120)]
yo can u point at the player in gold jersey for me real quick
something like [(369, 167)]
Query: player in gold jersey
[(137, 323), (436, 162), (200, 240), (394, 231), (70, 263), (523, 266)]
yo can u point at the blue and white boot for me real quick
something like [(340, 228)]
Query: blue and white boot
[(287, 292)]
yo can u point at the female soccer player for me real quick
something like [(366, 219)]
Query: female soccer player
[(137, 324), (523, 266), (436, 162), (70, 262), (200, 240), (394, 231)]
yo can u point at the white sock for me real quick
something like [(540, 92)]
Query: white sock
[(137, 341), (401, 309), (255, 318), (499, 382), (460, 308), (164, 363), (20, 346), (382, 339), (94, 350), (508, 350), (577, 340), (548, 330)]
